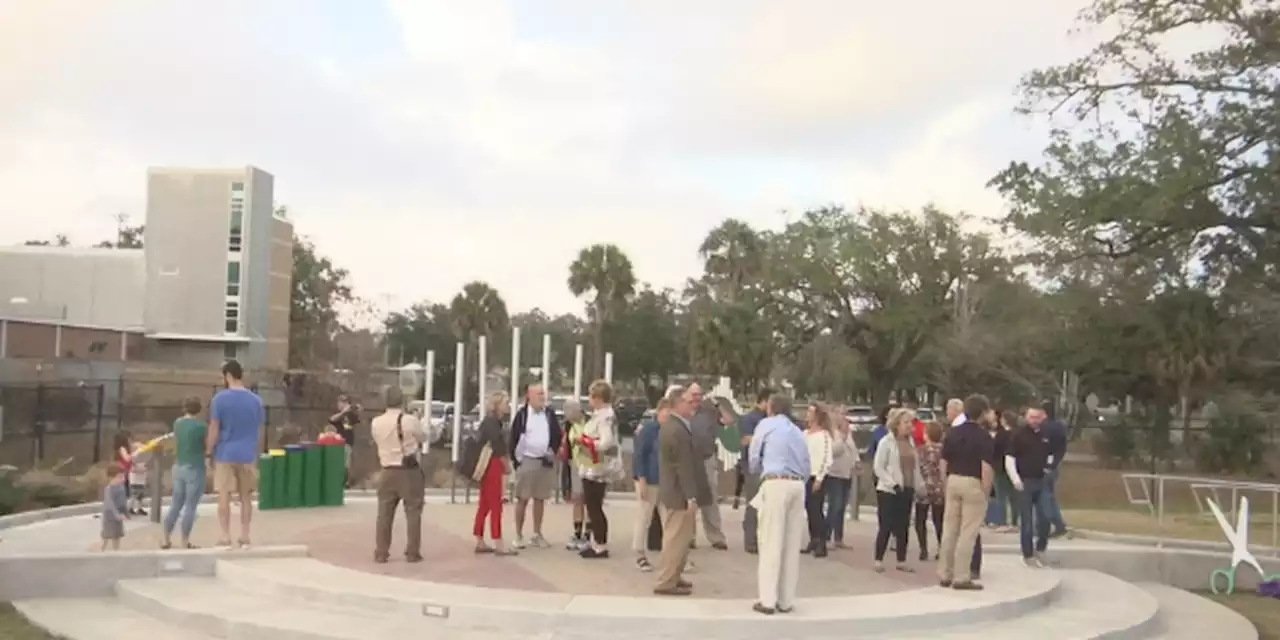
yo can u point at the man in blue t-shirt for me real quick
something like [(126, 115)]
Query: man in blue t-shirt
[(236, 417)]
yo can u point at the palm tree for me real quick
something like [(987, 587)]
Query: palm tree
[(478, 310), (606, 271), (733, 255)]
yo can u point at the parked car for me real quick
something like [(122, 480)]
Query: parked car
[(927, 415), (439, 425), (862, 418)]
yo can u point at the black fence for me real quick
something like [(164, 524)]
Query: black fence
[(74, 424)]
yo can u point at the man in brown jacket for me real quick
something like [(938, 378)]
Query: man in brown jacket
[(683, 487)]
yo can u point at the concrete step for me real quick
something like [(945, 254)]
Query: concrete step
[(99, 619), (209, 607), (1089, 605), (1187, 616), (1012, 590)]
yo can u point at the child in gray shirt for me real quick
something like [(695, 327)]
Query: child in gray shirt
[(114, 509)]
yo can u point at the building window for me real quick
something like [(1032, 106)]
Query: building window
[(233, 278), (229, 351), (233, 317), (237, 222)]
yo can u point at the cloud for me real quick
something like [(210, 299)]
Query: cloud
[(426, 143)]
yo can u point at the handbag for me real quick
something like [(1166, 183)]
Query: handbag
[(482, 462)]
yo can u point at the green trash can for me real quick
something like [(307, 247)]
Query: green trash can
[(278, 492), (266, 480), (312, 474), (334, 476), (293, 471)]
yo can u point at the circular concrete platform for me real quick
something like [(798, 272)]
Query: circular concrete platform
[(344, 537)]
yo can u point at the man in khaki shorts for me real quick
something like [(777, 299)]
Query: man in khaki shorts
[(535, 434), (236, 417)]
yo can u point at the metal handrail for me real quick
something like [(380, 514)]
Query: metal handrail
[(1212, 486)]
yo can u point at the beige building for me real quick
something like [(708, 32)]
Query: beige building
[(212, 282)]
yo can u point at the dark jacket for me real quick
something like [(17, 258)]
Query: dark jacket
[(645, 464), (681, 476), (518, 424), (706, 428), (1057, 435), (492, 433)]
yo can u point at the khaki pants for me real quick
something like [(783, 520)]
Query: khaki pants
[(677, 533), (782, 529), (645, 512), (396, 486), (962, 516)]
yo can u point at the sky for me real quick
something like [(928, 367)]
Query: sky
[(423, 144)]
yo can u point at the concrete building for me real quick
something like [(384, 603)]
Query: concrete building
[(212, 282)]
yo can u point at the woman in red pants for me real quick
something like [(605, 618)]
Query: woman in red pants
[(492, 433)]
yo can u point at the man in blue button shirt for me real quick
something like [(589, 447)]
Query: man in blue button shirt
[(751, 481), (779, 455)]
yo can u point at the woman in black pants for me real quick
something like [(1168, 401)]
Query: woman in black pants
[(817, 438), (897, 469), (930, 494), (601, 465)]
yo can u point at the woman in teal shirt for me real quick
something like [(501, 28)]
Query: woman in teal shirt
[(188, 472)]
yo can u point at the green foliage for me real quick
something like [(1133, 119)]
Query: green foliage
[(647, 340), (605, 272), (320, 288)]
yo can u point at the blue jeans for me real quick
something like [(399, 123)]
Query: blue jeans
[(1053, 510), (1033, 503), (188, 489), (837, 503), (1002, 509)]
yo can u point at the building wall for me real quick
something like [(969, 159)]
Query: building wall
[(22, 339), (281, 273), (104, 287), (188, 219), (256, 282), (185, 354)]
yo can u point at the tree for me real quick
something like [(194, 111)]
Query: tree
[(128, 237), (478, 310), (727, 334), (59, 240), (319, 289), (884, 283), (566, 331), (733, 259), (647, 339), (422, 327), (1170, 157), (606, 272)]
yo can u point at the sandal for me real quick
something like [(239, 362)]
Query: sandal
[(165, 546), (484, 549), (905, 568), (242, 543), (505, 552), (223, 543)]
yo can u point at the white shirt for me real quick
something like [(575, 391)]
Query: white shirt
[(819, 445), (960, 419), (536, 439)]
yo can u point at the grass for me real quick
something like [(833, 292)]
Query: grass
[(1262, 611), (13, 626)]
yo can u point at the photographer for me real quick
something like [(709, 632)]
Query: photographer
[(398, 437)]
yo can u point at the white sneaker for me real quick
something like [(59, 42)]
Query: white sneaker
[(1032, 563), (576, 544), (1040, 561), (689, 567), (538, 541), (520, 544)]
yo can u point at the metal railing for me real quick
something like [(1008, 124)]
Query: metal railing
[(1150, 490)]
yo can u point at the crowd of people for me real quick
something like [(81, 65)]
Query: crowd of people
[(980, 468)]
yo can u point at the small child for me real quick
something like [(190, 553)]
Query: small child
[(137, 480), (113, 508)]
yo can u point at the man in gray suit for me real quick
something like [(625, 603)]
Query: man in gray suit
[(682, 488), (706, 426)]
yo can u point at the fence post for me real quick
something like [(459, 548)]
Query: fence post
[(120, 403), (97, 425), (37, 429)]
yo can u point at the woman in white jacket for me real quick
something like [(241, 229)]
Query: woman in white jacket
[(897, 472), (601, 466)]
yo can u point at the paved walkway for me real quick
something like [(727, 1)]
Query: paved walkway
[(344, 537)]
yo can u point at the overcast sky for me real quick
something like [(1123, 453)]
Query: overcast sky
[(423, 144)]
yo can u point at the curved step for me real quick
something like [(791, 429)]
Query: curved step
[(1187, 616), (99, 619), (1012, 591)]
